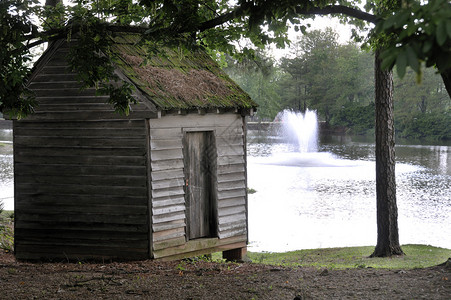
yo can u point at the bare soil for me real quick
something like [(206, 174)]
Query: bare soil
[(201, 279)]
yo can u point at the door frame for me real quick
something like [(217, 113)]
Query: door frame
[(213, 182)]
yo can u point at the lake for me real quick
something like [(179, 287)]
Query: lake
[(6, 169), (326, 198)]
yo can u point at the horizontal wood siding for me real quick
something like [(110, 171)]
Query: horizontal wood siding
[(231, 181), (168, 179), (81, 188), (59, 94), (76, 196), (168, 196)]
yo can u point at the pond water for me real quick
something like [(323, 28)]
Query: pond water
[(326, 198), (6, 169)]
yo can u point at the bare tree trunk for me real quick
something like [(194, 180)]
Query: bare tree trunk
[(387, 211), (446, 76)]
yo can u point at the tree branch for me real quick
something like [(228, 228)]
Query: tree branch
[(327, 10), (339, 9), (236, 13)]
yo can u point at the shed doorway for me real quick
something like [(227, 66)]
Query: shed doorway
[(200, 186)]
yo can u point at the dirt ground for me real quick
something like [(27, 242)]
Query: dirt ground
[(207, 280)]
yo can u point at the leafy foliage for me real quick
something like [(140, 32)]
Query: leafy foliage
[(15, 26), (422, 111), (360, 119), (260, 79), (97, 69), (326, 76), (425, 126), (422, 33)]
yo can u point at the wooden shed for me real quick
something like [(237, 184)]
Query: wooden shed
[(165, 182)]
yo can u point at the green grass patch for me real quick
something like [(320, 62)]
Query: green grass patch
[(251, 191), (6, 213), (6, 230), (417, 256)]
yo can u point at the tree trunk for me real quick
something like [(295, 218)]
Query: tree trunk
[(446, 76), (387, 211)]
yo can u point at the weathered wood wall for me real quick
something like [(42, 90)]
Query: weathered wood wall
[(86, 187), (81, 188), (168, 180)]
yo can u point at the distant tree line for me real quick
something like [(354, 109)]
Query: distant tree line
[(337, 80)]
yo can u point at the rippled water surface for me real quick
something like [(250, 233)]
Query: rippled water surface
[(328, 198), (6, 168)]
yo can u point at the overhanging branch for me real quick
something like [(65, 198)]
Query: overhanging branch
[(238, 12), (339, 9), (327, 10)]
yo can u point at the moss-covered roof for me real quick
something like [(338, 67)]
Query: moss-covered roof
[(177, 81)]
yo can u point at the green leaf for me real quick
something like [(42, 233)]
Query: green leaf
[(402, 18), (303, 29), (412, 59), (441, 34), (390, 22), (401, 64), (388, 59), (448, 28), (427, 46)]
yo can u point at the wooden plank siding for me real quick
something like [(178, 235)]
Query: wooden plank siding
[(168, 181), (77, 194), (59, 94), (81, 184), (93, 184)]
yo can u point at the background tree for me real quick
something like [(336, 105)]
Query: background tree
[(311, 71), (422, 110), (327, 76), (260, 78)]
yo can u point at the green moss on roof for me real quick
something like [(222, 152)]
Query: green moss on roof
[(177, 81)]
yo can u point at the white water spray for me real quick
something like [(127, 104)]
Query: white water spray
[(300, 128)]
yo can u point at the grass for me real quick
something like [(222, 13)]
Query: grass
[(6, 214), (251, 191), (6, 230), (417, 256)]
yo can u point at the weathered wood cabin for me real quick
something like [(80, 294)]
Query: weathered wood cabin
[(165, 182)]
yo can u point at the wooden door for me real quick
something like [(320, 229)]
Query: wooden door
[(200, 172)]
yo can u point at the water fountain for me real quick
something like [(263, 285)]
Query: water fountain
[(300, 129), (299, 133)]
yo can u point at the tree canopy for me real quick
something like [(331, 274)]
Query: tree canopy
[(419, 33)]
